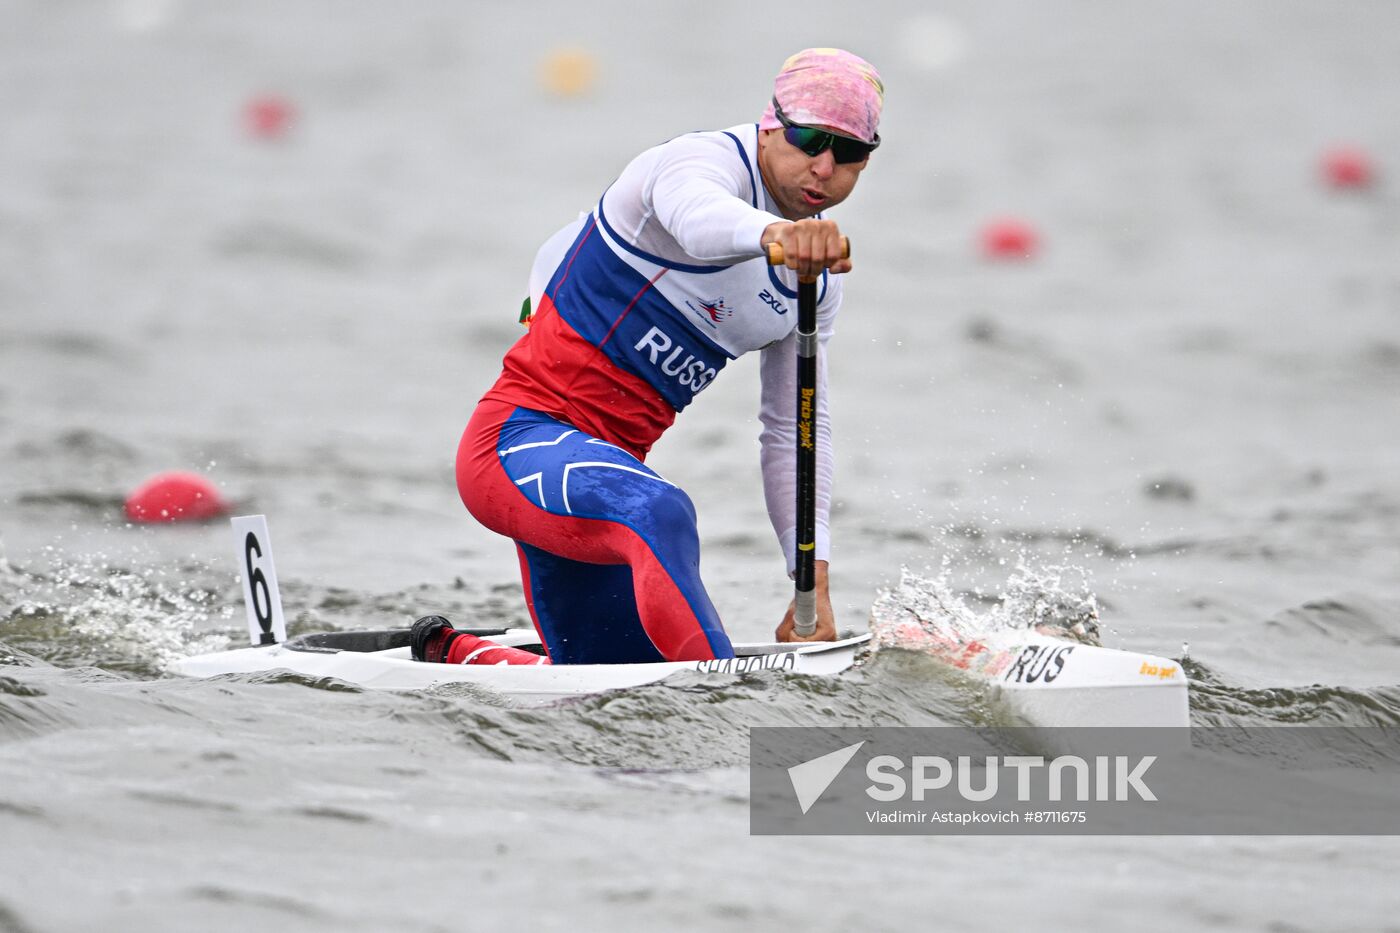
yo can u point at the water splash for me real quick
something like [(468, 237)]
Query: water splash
[(927, 614), (88, 612)]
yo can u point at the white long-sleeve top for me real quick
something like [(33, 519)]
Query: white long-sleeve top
[(666, 277)]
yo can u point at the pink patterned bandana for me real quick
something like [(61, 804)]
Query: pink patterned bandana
[(828, 87)]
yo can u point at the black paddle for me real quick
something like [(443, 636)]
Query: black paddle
[(805, 617)]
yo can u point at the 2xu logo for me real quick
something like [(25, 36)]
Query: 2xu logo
[(1039, 664), (767, 297)]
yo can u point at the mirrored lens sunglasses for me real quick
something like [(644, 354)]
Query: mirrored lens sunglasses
[(813, 141)]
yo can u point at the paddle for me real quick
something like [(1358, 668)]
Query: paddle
[(805, 617)]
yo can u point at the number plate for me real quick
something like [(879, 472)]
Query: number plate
[(265, 623)]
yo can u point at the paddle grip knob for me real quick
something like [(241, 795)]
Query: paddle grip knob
[(775, 251)]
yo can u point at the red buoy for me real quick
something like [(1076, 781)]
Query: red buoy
[(175, 497), (1009, 238), (1348, 167), (268, 116)]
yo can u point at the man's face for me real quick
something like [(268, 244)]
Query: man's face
[(804, 185)]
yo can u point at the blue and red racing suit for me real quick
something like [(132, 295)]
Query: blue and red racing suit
[(638, 305)]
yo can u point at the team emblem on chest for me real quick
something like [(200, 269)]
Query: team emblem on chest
[(712, 313)]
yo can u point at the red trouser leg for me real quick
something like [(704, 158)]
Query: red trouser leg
[(469, 649), (558, 492)]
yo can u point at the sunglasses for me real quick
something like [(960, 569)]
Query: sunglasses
[(814, 141)]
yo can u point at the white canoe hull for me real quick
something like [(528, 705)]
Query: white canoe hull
[(1045, 681), (395, 669), (1036, 679)]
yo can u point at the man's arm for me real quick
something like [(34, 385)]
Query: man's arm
[(695, 193)]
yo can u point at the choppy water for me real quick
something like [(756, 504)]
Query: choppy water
[(1183, 413)]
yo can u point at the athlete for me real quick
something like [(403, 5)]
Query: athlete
[(637, 306)]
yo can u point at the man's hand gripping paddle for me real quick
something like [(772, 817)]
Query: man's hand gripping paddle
[(805, 617)]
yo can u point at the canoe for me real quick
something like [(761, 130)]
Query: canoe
[(381, 660)]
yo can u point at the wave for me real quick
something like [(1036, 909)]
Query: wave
[(90, 612), (1353, 619)]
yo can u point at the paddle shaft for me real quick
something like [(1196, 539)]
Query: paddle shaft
[(805, 614), (805, 618)]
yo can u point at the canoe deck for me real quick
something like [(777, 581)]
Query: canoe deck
[(381, 660)]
